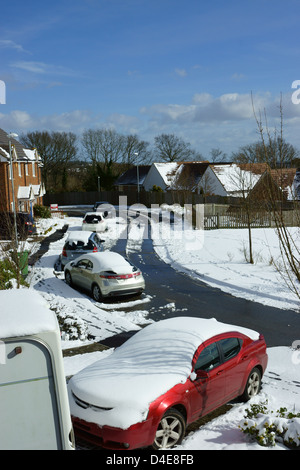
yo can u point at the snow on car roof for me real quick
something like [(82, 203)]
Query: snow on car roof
[(24, 312), (108, 260), (96, 214), (147, 365), (79, 235)]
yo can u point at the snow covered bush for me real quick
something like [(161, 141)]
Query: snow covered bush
[(72, 328), (267, 428)]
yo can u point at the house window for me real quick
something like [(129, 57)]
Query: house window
[(26, 169), (33, 168), (20, 169)]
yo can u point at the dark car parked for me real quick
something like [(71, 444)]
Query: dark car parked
[(26, 225), (103, 207)]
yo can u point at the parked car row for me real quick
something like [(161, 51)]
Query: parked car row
[(102, 273), (166, 376)]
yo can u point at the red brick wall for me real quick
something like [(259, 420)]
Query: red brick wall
[(20, 179)]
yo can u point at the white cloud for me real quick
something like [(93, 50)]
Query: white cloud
[(181, 72), (226, 122), (41, 68), (9, 44), (22, 121), (206, 108)]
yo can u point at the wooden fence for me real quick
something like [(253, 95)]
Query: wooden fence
[(290, 218), (236, 220)]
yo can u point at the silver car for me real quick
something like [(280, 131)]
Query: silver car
[(105, 274), (79, 243)]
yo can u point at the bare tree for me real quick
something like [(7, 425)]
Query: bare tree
[(57, 150), (171, 148), (217, 155), (289, 267), (103, 145), (243, 177), (135, 151)]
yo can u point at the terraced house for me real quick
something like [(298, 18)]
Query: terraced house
[(23, 167)]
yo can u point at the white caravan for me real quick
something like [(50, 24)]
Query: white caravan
[(34, 407)]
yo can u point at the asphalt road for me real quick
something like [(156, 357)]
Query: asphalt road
[(176, 294)]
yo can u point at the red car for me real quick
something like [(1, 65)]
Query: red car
[(166, 376)]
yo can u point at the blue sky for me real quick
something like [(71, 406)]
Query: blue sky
[(151, 66)]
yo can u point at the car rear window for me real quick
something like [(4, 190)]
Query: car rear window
[(92, 219), (79, 245)]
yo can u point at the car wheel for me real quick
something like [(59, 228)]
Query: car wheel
[(96, 292), (253, 384), (68, 278), (170, 431)]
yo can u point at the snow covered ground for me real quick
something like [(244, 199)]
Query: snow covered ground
[(217, 258)]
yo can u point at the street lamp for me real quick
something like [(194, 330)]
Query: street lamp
[(13, 136), (138, 176)]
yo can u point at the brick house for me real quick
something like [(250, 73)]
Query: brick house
[(26, 168)]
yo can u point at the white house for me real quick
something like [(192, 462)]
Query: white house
[(160, 174), (231, 179)]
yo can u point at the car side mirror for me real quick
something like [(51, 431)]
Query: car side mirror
[(201, 374)]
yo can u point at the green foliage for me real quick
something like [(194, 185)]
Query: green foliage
[(157, 189), (8, 274), (41, 211), (267, 427)]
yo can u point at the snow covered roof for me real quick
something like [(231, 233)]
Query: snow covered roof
[(238, 177), (22, 153), (24, 312), (166, 171), (143, 368), (31, 154), (25, 192)]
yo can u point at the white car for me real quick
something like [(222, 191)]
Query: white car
[(94, 222), (105, 274)]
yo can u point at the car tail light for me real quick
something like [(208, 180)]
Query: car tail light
[(112, 275), (95, 249), (116, 276), (64, 253)]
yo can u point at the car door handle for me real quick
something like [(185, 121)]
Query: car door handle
[(244, 357), (220, 372)]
